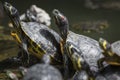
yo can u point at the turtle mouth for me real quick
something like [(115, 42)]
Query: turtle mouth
[(10, 9), (59, 17)]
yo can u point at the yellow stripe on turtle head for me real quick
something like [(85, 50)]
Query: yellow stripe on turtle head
[(62, 46), (11, 7), (70, 47), (79, 63), (105, 44)]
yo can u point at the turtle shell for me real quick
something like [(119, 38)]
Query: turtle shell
[(116, 47), (42, 72), (41, 36), (89, 47), (109, 73)]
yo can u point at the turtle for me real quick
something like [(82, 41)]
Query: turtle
[(106, 73), (43, 71), (83, 46), (39, 71), (79, 63), (34, 38), (111, 52), (109, 73), (81, 75)]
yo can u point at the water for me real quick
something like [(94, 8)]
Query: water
[(76, 12)]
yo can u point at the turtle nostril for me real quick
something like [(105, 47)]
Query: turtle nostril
[(7, 4), (13, 11)]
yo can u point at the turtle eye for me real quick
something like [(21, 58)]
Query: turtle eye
[(55, 11), (7, 4)]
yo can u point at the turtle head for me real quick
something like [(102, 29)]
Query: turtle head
[(60, 19), (62, 23), (104, 44), (12, 13), (75, 55)]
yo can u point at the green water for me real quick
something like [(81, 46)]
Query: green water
[(75, 12)]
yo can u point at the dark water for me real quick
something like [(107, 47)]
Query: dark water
[(75, 12)]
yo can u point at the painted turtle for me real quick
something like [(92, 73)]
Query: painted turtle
[(34, 38), (37, 72), (109, 73), (43, 71), (111, 52), (82, 45)]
